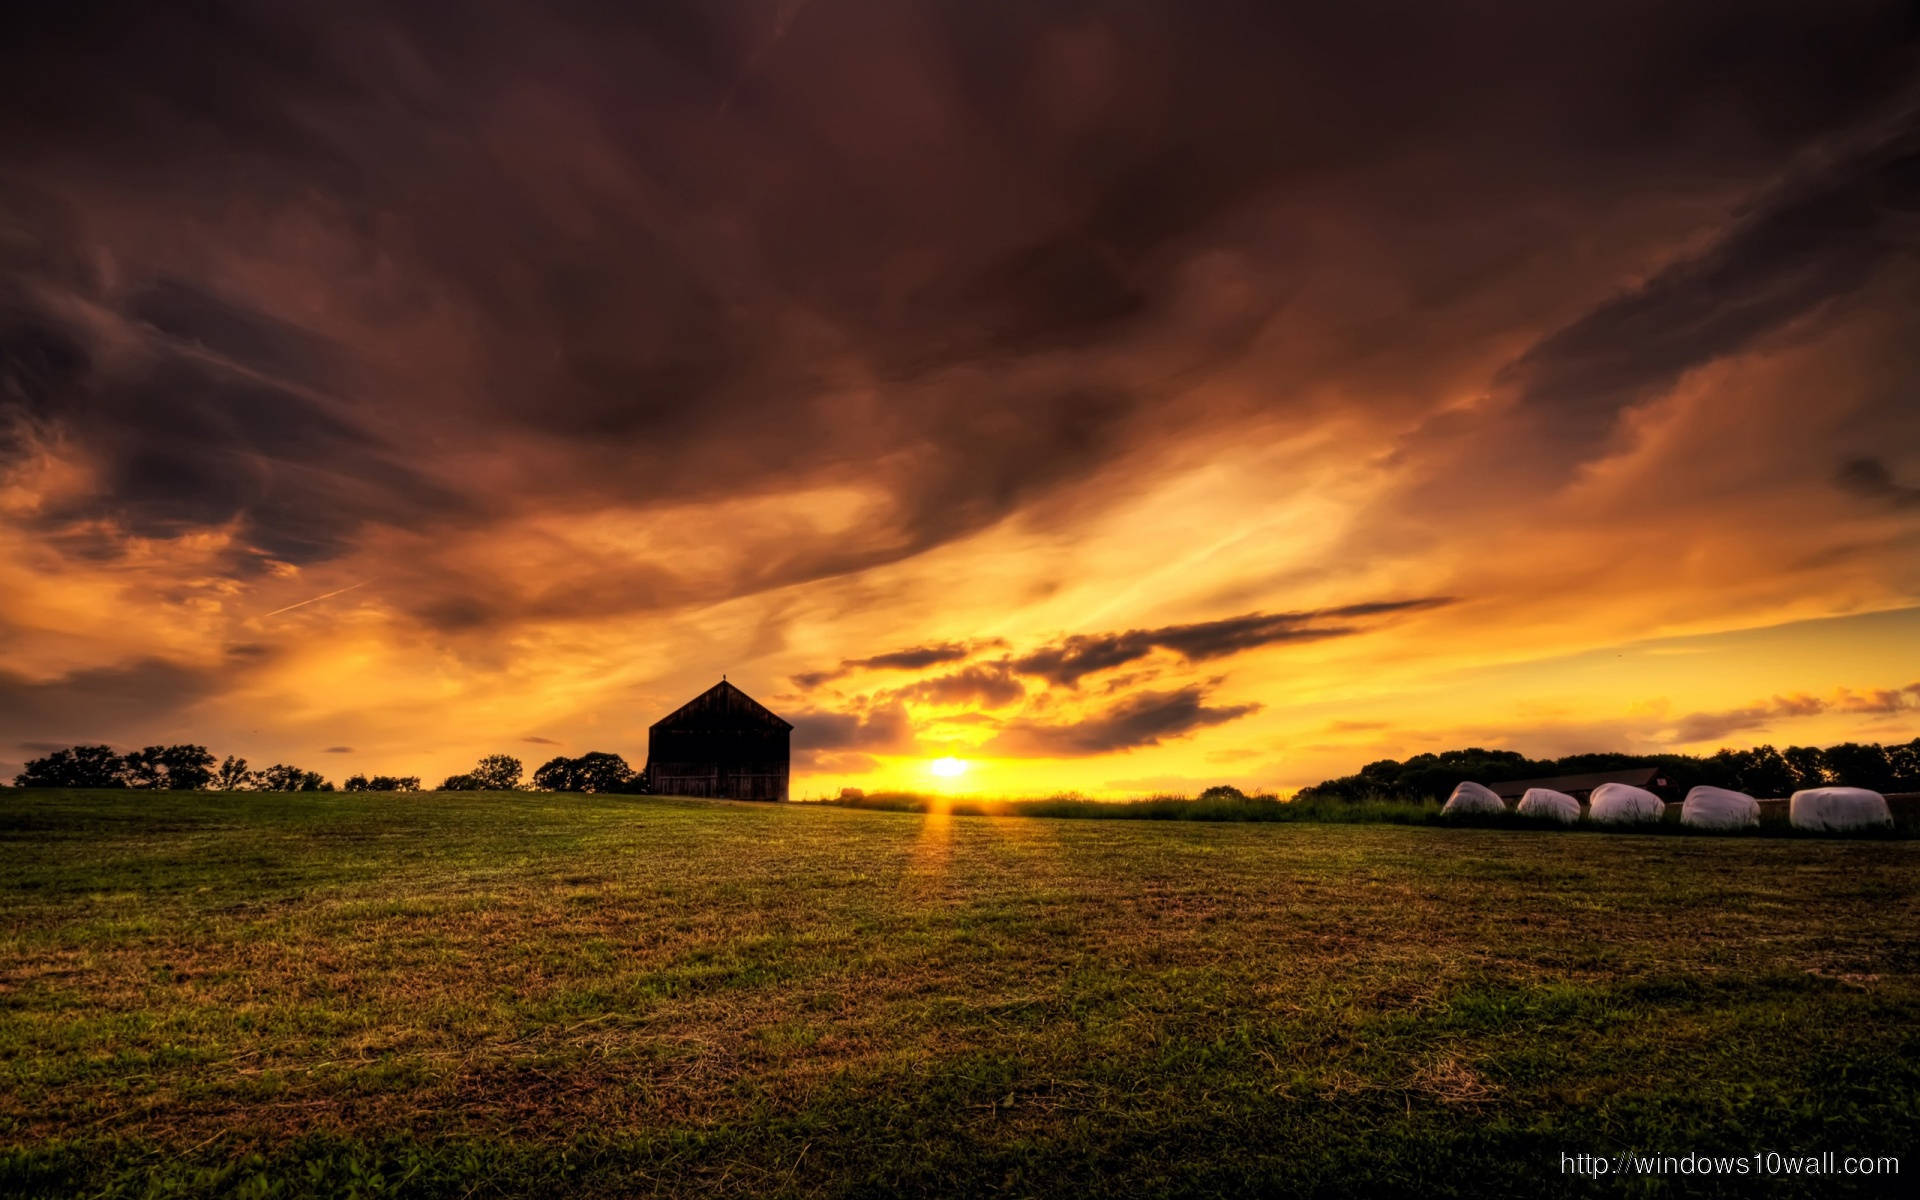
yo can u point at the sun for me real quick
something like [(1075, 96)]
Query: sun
[(948, 768)]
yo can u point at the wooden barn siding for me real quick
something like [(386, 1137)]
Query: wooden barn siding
[(690, 779), (738, 764)]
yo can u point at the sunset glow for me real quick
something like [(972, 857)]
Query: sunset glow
[(1104, 406)]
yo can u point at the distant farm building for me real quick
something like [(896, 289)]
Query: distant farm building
[(722, 743), (1580, 787)]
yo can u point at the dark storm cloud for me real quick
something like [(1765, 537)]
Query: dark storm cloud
[(89, 705), (1815, 239), (1065, 662), (181, 437), (1145, 719), (564, 258), (1870, 479)]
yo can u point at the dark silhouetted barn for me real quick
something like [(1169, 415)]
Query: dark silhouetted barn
[(721, 743)]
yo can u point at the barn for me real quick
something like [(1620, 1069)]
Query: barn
[(721, 743)]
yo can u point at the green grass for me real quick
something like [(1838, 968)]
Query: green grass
[(478, 995)]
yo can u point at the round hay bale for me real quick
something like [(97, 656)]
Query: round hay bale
[(1622, 803), (1471, 798), (1836, 808), (1545, 802), (1719, 808)]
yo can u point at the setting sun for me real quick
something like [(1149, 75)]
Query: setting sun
[(948, 768)]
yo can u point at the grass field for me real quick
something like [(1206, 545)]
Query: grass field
[(472, 995)]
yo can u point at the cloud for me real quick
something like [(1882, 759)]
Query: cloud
[(836, 762), (178, 437), (540, 741), (621, 349), (97, 704), (1870, 479), (1817, 237), (986, 685), (338, 750), (912, 659), (1877, 700), (885, 728), (1706, 726), (1145, 719), (1066, 661)]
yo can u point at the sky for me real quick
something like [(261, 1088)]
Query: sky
[(1119, 397)]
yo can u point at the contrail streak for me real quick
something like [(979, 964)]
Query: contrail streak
[(315, 599)]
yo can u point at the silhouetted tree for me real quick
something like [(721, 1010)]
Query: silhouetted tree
[(381, 783), (143, 768), (1904, 761), (594, 771), (188, 768), (554, 775), (283, 778), (1808, 764), (1765, 772), (1855, 765), (75, 767), (182, 768), (498, 773), (460, 783), (1762, 771), (1224, 792), (232, 775)]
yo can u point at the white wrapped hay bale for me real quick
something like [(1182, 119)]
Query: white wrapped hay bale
[(1719, 808), (1545, 802), (1473, 798), (1838, 808), (1622, 803)]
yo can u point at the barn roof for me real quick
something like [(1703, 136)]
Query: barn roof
[(722, 705), (1640, 777)]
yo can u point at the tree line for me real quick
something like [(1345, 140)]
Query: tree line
[(190, 768), (1761, 771)]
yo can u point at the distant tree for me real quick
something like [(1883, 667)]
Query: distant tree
[(498, 773), (381, 783), (188, 768), (144, 768), (555, 775), (74, 767), (1762, 771), (283, 778), (1223, 792), (1808, 764), (1855, 765), (460, 783), (232, 775), (1904, 761), (183, 768), (594, 771)]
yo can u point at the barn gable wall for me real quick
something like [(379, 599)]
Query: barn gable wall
[(721, 744)]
